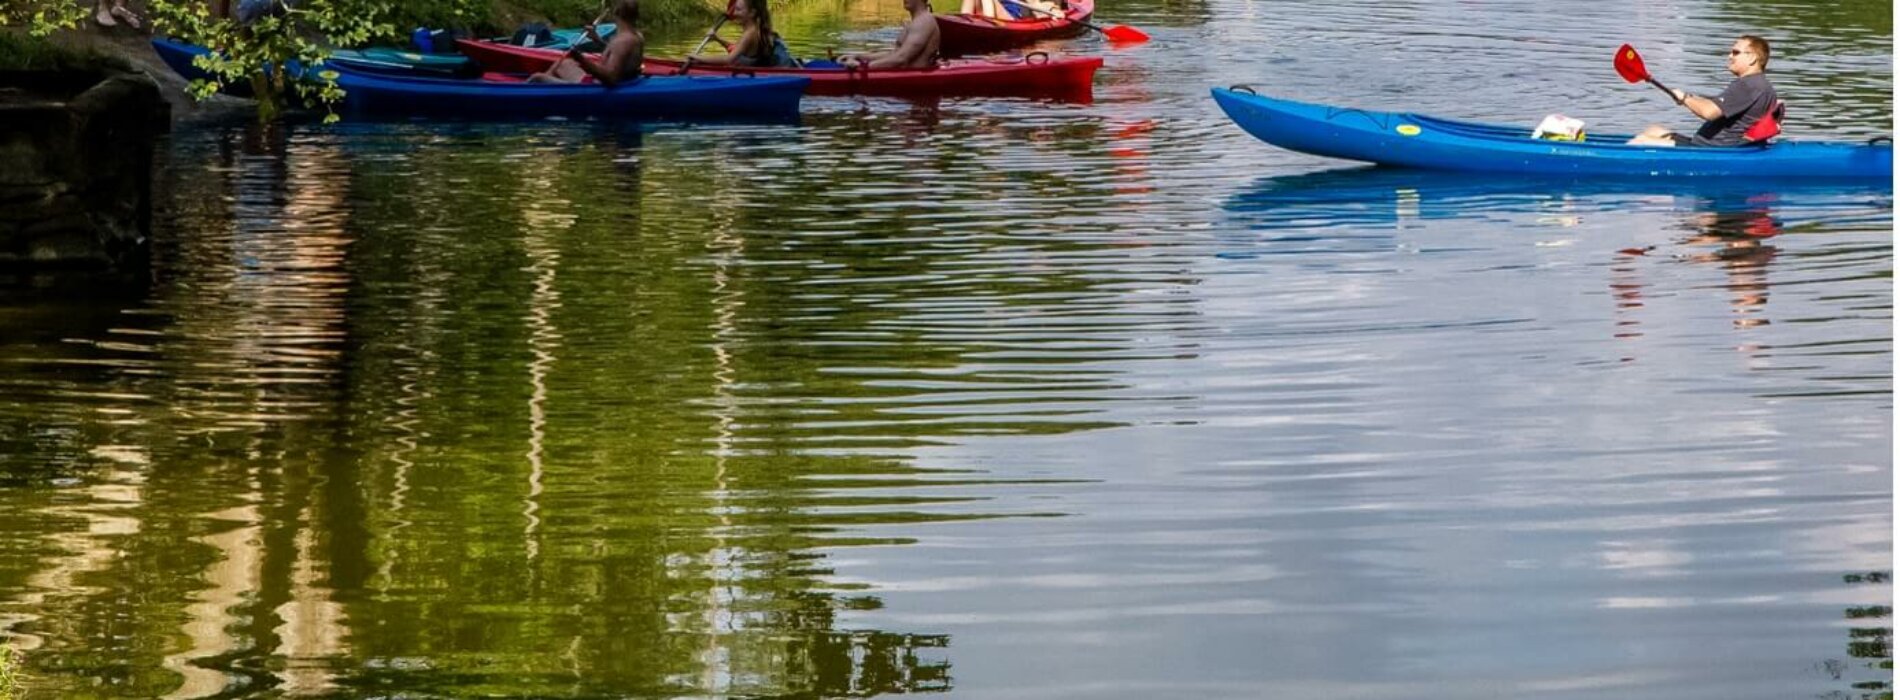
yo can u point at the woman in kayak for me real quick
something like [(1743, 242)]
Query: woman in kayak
[(620, 62), (1728, 115), (916, 43), (758, 46), (986, 8)]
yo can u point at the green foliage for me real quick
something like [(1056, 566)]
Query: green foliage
[(258, 52), (23, 51), (41, 17), (9, 674)]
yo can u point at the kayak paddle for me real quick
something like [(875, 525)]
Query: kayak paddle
[(1629, 64), (710, 33), (1119, 33), (588, 29)]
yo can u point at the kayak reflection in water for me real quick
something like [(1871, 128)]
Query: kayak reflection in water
[(1741, 230), (758, 46), (1744, 255), (916, 44), (618, 63), (1728, 116)]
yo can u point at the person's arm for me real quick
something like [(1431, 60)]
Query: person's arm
[(905, 55), (1698, 105), (867, 58), (1734, 100), (613, 65), (746, 46)]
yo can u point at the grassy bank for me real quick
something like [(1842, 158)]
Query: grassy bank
[(9, 674), (22, 51)]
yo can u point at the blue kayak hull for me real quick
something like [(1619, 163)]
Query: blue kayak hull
[(668, 98), (1419, 141)]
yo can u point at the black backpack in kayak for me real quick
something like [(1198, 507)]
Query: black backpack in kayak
[(533, 34)]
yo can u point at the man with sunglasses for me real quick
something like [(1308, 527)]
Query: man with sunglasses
[(1727, 116)]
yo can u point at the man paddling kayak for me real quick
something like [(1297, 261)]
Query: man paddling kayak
[(1729, 115), (916, 44), (620, 62)]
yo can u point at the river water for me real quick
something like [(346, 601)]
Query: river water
[(993, 398)]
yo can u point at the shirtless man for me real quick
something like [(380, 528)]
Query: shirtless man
[(620, 62), (916, 44)]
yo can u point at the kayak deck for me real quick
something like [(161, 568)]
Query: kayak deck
[(1421, 141)]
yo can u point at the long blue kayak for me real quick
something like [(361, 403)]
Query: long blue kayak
[(1419, 141), (668, 98)]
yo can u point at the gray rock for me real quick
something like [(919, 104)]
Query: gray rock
[(76, 152)]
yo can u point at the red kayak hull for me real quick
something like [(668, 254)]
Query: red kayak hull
[(965, 34), (1036, 75)]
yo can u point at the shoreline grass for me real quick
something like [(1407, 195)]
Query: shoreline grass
[(10, 676)]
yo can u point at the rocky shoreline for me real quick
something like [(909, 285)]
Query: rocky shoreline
[(78, 129)]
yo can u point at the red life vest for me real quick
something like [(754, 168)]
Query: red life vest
[(1768, 126)]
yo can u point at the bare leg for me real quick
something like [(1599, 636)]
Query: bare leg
[(124, 15), (103, 15), (1655, 135), (969, 7), (563, 71), (568, 72)]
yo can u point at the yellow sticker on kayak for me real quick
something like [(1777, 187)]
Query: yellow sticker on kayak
[(412, 56), (1408, 129)]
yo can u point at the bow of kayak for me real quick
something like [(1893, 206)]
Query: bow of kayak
[(1420, 141)]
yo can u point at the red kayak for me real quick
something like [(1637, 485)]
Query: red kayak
[(1035, 75), (964, 34)]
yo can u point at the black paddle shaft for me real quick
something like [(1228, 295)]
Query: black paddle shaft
[(1660, 86)]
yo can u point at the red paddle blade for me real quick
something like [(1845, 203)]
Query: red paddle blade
[(1629, 64), (1124, 33)]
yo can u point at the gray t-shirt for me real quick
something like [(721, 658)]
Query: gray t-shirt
[(1743, 103)]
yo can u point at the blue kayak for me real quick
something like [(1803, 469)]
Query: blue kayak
[(668, 98), (382, 59), (1419, 141)]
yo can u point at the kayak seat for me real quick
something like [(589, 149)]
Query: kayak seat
[(1769, 126)]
